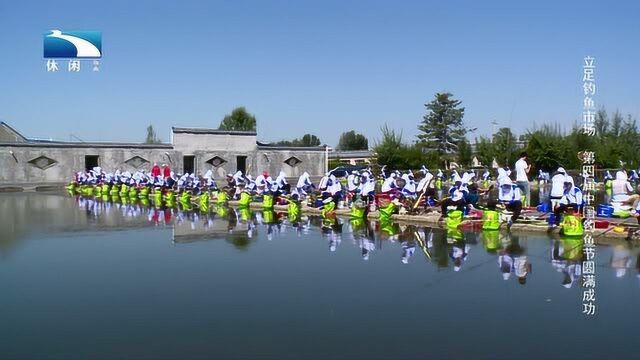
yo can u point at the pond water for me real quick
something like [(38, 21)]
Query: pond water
[(82, 279)]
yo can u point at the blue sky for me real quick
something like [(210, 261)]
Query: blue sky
[(315, 67)]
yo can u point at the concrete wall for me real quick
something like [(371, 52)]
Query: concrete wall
[(18, 170), (18, 163), (69, 160), (273, 161), (190, 143), (229, 166)]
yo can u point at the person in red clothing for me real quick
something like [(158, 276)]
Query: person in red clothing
[(166, 171), (155, 170)]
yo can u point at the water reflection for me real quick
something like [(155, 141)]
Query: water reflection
[(242, 228)]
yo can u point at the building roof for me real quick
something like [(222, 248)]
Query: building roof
[(187, 130), (9, 134), (268, 146), (78, 144), (11, 137), (351, 154)]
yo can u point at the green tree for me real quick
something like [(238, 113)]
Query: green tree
[(505, 147), (350, 140), (464, 153), (442, 127), (309, 140), (547, 148), (390, 148), (152, 138), (306, 140), (238, 120)]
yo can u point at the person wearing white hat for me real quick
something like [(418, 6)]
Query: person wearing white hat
[(409, 188), (557, 187), (457, 194), (353, 183), (427, 185), (455, 177), (389, 183), (571, 199), (621, 188), (304, 185), (509, 195)]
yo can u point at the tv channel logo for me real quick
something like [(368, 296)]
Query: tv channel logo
[(73, 44)]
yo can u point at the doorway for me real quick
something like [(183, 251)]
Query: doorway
[(91, 161), (241, 162), (189, 162)]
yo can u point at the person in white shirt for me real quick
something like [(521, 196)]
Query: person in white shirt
[(409, 189), (389, 183), (621, 188), (304, 185), (261, 183), (427, 185), (522, 179), (509, 195), (282, 184), (571, 199), (353, 180), (457, 194), (367, 186), (557, 187)]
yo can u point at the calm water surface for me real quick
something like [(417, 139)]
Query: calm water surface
[(88, 280)]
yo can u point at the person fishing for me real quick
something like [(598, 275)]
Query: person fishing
[(510, 196), (409, 188), (426, 186), (571, 200), (557, 187), (456, 197), (620, 188)]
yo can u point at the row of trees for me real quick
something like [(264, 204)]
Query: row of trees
[(443, 138)]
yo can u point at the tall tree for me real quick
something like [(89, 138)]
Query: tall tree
[(506, 147), (485, 151), (464, 153), (350, 140), (442, 127), (547, 148), (238, 120), (309, 140), (152, 138), (389, 149)]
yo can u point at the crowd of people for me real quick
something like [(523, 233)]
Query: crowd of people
[(418, 192)]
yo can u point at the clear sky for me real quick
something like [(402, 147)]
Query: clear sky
[(320, 67)]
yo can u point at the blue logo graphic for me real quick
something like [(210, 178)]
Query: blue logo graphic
[(73, 44)]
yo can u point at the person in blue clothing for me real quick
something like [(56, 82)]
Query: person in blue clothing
[(457, 194)]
